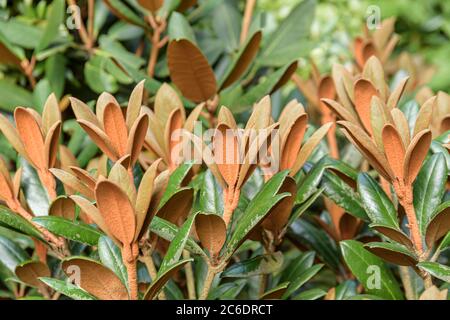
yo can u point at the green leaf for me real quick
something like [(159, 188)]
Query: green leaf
[(367, 268), (55, 69), (301, 280), (210, 199), (21, 33), (13, 96), (345, 290), (35, 194), (308, 185), (262, 264), (18, 223), (304, 206), (437, 270), (125, 11), (227, 291), (394, 252), (54, 18), (177, 245), (343, 195), (72, 230), (297, 266), (11, 255), (179, 28), (111, 257), (97, 78), (288, 40), (257, 209), (378, 206), (226, 21), (311, 294), (163, 277), (175, 182), (41, 93), (168, 231), (263, 88), (429, 189), (318, 240), (445, 243), (67, 289)]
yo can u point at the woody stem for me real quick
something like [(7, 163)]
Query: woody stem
[(189, 276), (249, 6), (407, 203), (157, 43), (132, 278), (147, 259), (231, 200)]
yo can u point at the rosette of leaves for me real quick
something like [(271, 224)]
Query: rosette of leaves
[(164, 136)]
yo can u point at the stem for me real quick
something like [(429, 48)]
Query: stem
[(27, 68), (90, 21), (157, 43), (190, 280), (151, 268), (208, 282), (249, 6), (231, 200), (405, 197), (130, 253), (406, 280), (427, 281), (81, 28), (262, 284), (132, 278)]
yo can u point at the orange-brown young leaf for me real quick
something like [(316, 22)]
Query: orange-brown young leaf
[(116, 210), (31, 135), (211, 231), (364, 91), (96, 279), (394, 149), (115, 127), (226, 153), (30, 272), (190, 71), (293, 142), (416, 153)]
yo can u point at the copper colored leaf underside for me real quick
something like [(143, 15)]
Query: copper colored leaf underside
[(7, 56), (31, 271), (63, 207), (293, 142), (211, 231), (116, 210), (173, 134), (244, 61), (190, 71), (285, 77), (31, 136), (415, 155), (438, 227), (151, 5), (96, 279), (136, 138), (364, 91), (226, 154), (100, 139), (115, 127), (51, 144), (394, 150)]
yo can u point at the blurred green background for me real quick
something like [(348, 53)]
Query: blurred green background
[(423, 26)]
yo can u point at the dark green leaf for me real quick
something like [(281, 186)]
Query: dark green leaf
[(18, 223), (437, 270), (370, 270), (67, 289), (111, 257), (263, 264), (72, 230)]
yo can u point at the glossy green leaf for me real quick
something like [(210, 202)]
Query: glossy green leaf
[(18, 223), (378, 206), (164, 275), (111, 257), (301, 280), (227, 291), (175, 182), (177, 245), (311, 294), (210, 198), (437, 270), (257, 209), (262, 264), (429, 189), (72, 230), (67, 289), (343, 195), (35, 194), (368, 268), (168, 231), (11, 255)]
